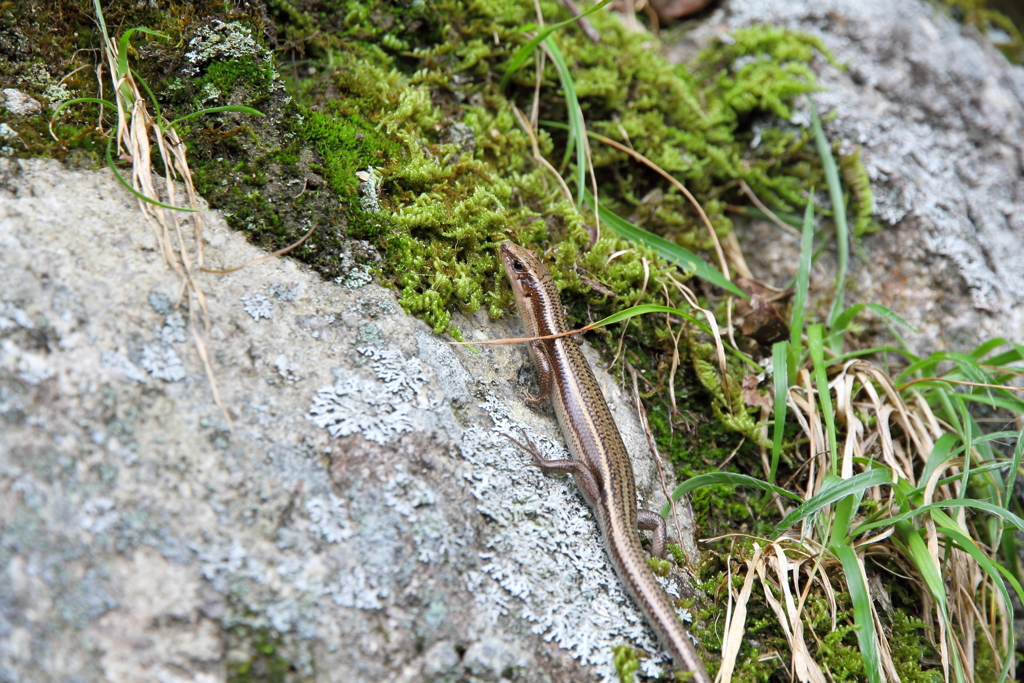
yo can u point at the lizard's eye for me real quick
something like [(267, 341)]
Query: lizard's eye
[(517, 266)]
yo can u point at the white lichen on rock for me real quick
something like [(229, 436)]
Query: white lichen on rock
[(30, 367), (353, 407), (98, 515), (545, 549), (257, 306), (368, 189), (115, 362), (160, 360), (401, 376), (329, 518), (222, 40), (380, 410)]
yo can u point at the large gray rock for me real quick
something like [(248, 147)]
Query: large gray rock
[(361, 517), (937, 112)]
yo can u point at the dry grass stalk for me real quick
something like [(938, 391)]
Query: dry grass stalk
[(134, 130), (736, 618), (860, 388)]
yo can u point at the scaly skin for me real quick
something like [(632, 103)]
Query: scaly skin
[(600, 463)]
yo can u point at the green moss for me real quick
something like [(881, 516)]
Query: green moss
[(718, 502), (420, 77), (627, 663), (855, 179), (909, 649), (659, 566), (726, 395), (264, 663), (407, 90), (228, 75)]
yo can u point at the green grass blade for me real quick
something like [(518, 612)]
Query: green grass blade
[(576, 126), (996, 510), (968, 545), (125, 42), (843, 320), (842, 358), (845, 510), (892, 316), (968, 439), (966, 367), (712, 478), (975, 471), (835, 193), (526, 51), (780, 377), (922, 559), (918, 553), (102, 21), (1011, 478), (670, 251), (991, 344), (77, 100), (122, 59), (830, 494), (862, 618), (817, 348), (789, 219), (216, 110), (803, 276), (941, 452), (643, 309), (1002, 359), (120, 178), (1010, 403)]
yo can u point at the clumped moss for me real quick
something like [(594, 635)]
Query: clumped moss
[(727, 401), (263, 663), (855, 179), (424, 74), (627, 663), (909, 650)]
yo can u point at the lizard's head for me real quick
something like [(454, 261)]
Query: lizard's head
[(536, 295), (526, 273)]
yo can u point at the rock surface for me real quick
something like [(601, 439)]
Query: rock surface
[(361, 519), (939, 116)]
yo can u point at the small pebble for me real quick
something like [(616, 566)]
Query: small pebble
[(20, 104)]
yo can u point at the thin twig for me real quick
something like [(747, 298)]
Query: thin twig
[(279, 252), (585, 25), (541, 61), (655, 453), (523, 340), (1007, 387), (675, 352), (767, 212), (682, 188), (538, 157)]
